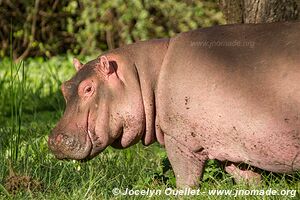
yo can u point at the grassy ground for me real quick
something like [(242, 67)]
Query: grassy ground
[(31, 104)]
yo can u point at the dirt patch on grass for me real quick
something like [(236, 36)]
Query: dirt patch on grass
[(16, 183)]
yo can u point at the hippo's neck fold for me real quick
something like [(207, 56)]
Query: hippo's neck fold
[(147, 58)]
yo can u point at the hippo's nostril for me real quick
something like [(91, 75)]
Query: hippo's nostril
[(56, 140), (59, 138)]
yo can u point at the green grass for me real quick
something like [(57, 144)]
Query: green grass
[(31, 104)]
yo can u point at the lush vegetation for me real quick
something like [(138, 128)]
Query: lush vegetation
[(51, 27)]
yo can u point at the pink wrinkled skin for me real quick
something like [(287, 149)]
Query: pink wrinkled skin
[(230, 93)]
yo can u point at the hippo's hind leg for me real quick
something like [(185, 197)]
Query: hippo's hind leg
[(296, 162), (242, 175), (187, 165)]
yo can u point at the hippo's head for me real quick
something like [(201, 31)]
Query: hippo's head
[(102, 108)]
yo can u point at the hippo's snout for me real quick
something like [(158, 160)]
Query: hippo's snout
[(60, 143), (66, 146)]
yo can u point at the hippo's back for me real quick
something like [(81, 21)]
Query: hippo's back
[(235, 91)]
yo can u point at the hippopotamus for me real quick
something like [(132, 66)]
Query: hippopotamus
[(228, 92)]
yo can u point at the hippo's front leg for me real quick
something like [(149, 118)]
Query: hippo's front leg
[(187, 165)]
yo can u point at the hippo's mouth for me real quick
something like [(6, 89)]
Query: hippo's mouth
[(90, 137), (94, 140)]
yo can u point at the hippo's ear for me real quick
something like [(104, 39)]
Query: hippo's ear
[(77, 64), (105, 66)]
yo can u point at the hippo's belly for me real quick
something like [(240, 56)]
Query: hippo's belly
[(241, 109), (265, 144)]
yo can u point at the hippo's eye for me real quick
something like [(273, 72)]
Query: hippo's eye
[(86, 89)]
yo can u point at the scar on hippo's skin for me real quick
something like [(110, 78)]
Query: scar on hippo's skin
[(187, 101)]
